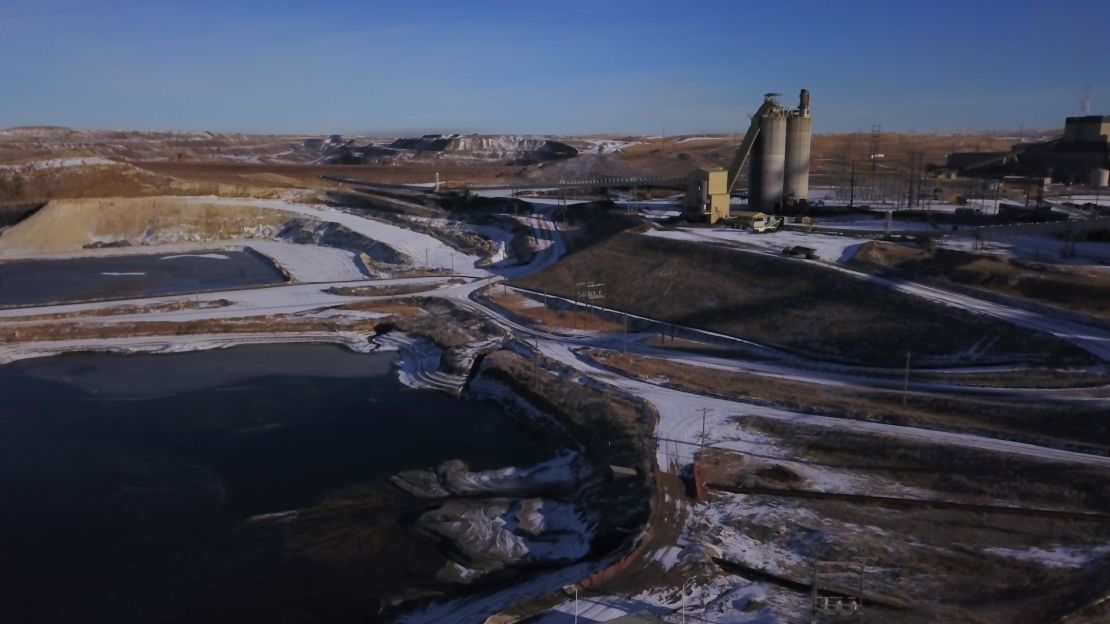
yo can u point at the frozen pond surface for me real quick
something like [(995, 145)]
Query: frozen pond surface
[(128, 481), (31, 282)]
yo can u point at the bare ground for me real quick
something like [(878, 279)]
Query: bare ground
[(813, 311), (1082, 290), (1079, 426), (939, 560)]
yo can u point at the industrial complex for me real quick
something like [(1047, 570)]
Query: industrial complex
[(777, 145), (1080, 156), (515, 378)]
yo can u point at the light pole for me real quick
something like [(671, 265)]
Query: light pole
[(574, 588), (682, 593), (906, 382)]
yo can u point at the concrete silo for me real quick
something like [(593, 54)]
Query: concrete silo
[(769, 161), (799, 132)]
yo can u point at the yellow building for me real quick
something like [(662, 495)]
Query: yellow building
[(707, 194)]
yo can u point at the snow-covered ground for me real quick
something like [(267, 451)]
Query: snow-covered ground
[(312, 263), (1101, 199), (874, 223), (296, 299), (829, 247), (304, 263), (679, 430), (608, 146), (1037, 248), (179, 344), (422, 248), (1056, 557)]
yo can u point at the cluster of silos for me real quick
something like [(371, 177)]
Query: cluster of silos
[(779, 172)]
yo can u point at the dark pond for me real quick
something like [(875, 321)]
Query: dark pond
[(31, 282), (127, 482)]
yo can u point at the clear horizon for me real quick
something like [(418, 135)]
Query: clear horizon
[(565, 67)]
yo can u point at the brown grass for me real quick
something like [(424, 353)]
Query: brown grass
[(169, 306), (252, 324), (308, 176), (549, 317), (380, 291), (1054, 424), (934, 558), (1082, 290), (814, 311), (397, 307)]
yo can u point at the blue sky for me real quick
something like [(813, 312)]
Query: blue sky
[(560, 66)]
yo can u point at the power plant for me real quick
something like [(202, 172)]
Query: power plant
[(778, 142), (1080, 156)]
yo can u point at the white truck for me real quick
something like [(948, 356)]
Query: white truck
[(757, 221)]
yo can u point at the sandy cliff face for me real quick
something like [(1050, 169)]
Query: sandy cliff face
[(72, 224)]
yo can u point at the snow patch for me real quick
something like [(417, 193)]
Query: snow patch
[(208, 256), (1055, 557), (59, 163)]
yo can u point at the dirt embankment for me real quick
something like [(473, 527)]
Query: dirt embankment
[(614, 429), (811, 310), (1082, 290), (71, 224)]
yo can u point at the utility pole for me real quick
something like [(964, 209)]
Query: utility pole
[(852, 186), (626, 334), (682, 592), (536, 361), (573, 588), (876, 131), (906, 382), (704, 412), (666, 291)]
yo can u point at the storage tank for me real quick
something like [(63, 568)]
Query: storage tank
[(1100, 177), (772, 160), (755, 173), (799, 132)]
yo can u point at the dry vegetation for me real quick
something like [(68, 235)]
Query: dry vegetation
[(379, 291), (935, 560), (540, 314), (168, 306), (831, 152), (306, 175), (77, 330), (810, 310), (1067, 425), (1082, 290), (119, 180)]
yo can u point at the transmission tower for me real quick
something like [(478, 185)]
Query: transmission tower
[(876, 130)]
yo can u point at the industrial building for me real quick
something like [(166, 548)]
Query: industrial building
[(1080, 156), (778, 142)]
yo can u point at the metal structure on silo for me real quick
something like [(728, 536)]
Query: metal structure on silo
[(799, 132), (769, 164), (755, 174)]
